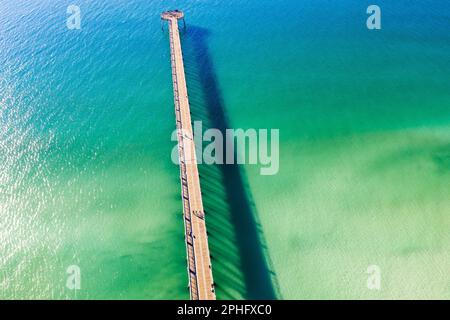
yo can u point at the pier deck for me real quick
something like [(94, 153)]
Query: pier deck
[(201, 285)]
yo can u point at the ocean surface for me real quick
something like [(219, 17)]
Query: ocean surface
[(86, 177)]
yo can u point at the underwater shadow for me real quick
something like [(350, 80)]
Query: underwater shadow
[(241, 265)]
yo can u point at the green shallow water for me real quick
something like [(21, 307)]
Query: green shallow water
[(85, 170), (378, 199)]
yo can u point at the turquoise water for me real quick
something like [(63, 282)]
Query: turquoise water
[(85, 171)]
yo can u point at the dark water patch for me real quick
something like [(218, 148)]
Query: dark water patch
[(429, 150), (441, 157)]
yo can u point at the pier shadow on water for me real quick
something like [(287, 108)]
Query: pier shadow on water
[(241, 265)]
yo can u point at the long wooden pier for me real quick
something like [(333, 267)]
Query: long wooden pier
[(201, 285)]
